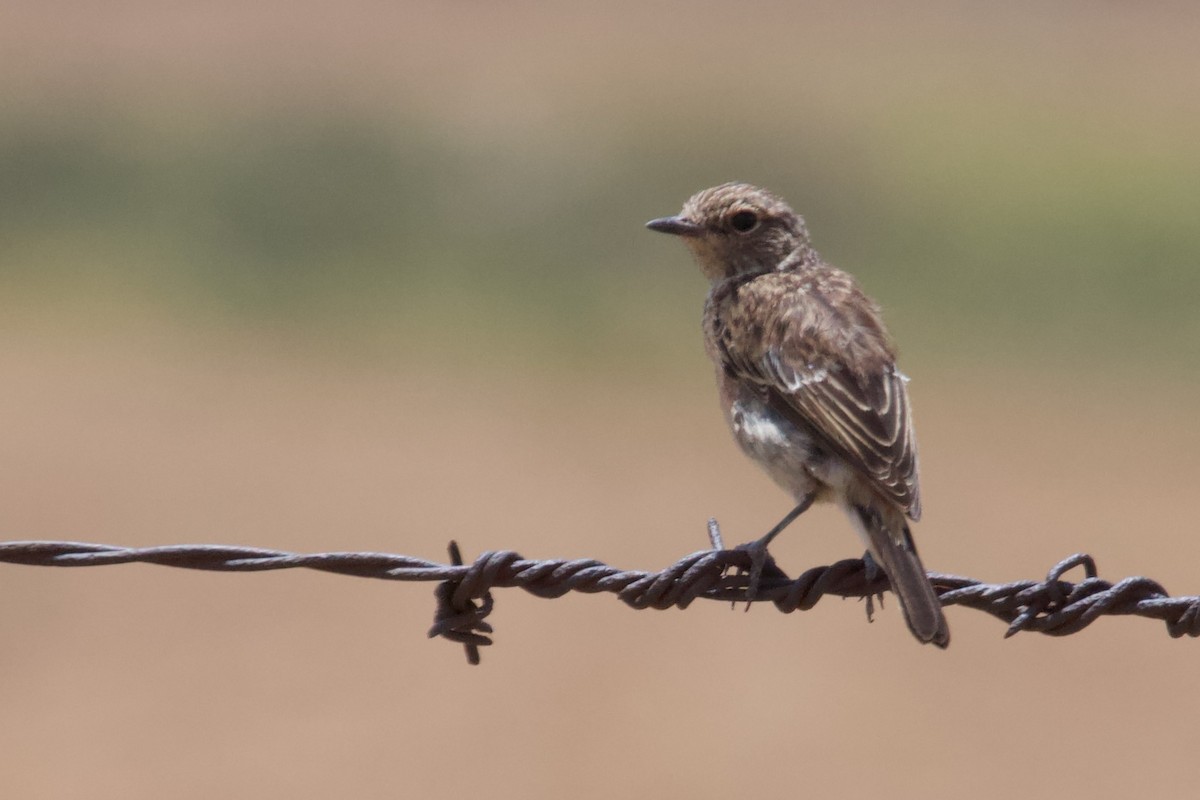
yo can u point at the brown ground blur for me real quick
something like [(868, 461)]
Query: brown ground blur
[(141, 681), (369, 276)]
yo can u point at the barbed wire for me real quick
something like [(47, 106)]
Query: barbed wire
[(1053, 606)]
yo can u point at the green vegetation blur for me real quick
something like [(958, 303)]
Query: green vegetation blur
[(1021, 183)]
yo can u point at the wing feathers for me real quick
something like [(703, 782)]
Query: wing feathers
[(817, 347)]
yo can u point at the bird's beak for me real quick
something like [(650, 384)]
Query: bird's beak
[(676, 225)]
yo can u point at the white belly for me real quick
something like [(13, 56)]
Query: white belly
[(786, 451)]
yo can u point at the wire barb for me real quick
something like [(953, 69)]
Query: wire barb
[(1054, 606), (458, 617)]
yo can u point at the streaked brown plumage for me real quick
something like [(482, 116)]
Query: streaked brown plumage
[(807, 378)]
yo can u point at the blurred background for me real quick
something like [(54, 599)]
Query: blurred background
[(372, 276)]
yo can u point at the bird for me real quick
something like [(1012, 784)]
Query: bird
[(808, 383)]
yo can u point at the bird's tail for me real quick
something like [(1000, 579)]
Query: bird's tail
[(891, 543)]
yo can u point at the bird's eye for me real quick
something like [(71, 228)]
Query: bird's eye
[(744, 221)]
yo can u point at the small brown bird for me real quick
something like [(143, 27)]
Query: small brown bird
[(808, 380)]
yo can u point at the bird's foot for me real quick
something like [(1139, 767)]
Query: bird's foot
[(761, 564), (872, 571), (760, 559)]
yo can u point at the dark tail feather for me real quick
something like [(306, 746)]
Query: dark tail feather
[(918, 601)]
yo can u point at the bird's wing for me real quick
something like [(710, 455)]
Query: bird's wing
[(818, 349)]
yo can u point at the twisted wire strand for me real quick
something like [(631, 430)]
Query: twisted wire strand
[(1054, 606)]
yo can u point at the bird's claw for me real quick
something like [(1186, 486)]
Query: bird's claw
[(872, 571), (761, 563)]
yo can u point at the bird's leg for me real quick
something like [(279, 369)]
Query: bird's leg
[(871, 567), (758, 548), (871, 570)]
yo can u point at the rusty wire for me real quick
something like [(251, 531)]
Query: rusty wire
[(1053, 606)]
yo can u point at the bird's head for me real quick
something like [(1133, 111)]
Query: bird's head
[(739, 229)]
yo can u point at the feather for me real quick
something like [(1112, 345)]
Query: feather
[(824, 361)]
